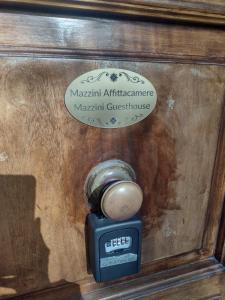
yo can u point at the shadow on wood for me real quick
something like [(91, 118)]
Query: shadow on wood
[(22, 245)]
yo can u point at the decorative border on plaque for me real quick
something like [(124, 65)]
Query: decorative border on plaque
[(110, 98), (113, 77)]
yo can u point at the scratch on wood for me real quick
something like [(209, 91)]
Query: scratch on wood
[(38, 207), (3, 156), (171, 103), (198, 73)]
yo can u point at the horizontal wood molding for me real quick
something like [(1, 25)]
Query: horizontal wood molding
[(137, 288), (112, 55), (149, 285), (189, 11), (45, 36)]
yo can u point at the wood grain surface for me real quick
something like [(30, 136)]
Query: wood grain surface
[(45, 154), (48, 36), (197, 281), (40, 139), (204, 11)]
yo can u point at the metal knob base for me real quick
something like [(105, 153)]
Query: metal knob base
[(110, 187)]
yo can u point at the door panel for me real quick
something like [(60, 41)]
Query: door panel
[(172, 151), (178, 154)]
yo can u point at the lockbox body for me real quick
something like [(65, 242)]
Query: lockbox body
[(114, 247)]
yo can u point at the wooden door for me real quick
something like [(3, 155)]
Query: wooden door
[(177, 152)]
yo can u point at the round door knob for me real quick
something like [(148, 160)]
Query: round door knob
[(121, 200)]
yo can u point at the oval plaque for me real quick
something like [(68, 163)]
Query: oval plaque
[(110, 98)]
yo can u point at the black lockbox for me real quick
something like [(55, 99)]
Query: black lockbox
[(114, 247)]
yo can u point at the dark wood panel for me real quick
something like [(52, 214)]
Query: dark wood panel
[(189, 11), (43, 211), (49, 36), (40, 139)]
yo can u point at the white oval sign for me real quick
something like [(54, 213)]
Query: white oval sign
[(110, 98)]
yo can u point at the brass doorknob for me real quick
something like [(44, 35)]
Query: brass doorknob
[(121, 200), (110, 188)]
